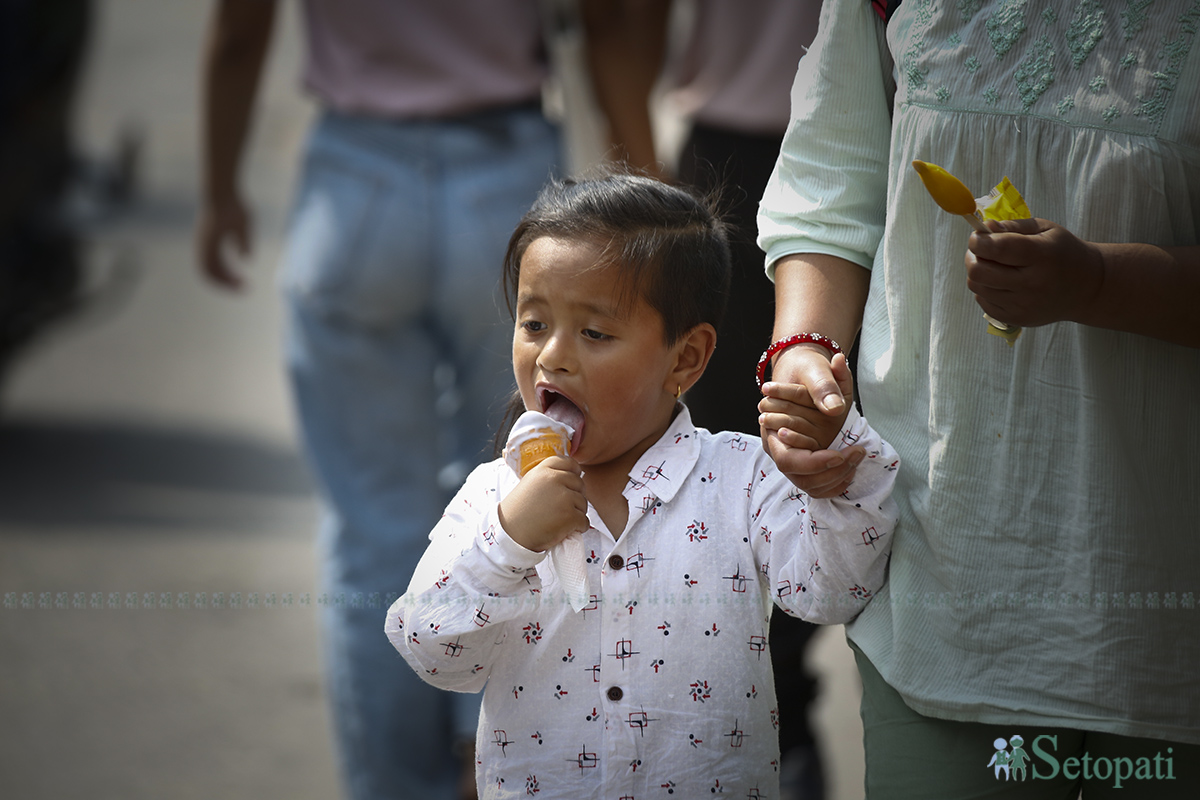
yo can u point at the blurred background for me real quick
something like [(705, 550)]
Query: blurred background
[(158, 631)]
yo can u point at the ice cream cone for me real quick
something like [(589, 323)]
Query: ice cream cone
[(534, 438), (532, 452)]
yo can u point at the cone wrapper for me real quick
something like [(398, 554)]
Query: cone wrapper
[(1003, 202), (534, 438)]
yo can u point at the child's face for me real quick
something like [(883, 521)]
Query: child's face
[(574, 340)]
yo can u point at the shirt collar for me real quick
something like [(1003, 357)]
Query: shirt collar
[(663, 468)]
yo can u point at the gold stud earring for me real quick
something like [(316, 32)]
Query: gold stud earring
[(679, 392)]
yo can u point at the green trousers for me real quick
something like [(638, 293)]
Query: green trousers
[(923, 758)]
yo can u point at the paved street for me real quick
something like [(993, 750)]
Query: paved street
[(157, 628)]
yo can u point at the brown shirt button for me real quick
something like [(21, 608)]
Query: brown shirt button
[(616, 562), (615, 693)]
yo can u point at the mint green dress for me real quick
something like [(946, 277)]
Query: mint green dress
[(1047, 562)]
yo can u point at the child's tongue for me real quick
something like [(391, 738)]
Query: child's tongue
[(563, 410)]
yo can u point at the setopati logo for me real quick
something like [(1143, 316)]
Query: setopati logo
[(1011, 761)]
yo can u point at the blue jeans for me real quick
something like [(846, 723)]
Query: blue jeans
[(399, 354)]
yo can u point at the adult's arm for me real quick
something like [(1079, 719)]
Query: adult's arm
[(1149, 290), (822, 216), (824, 294), (237, 44), (626, 43), (817, 293)]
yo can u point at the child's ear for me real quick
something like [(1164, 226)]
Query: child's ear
[(692, 353)]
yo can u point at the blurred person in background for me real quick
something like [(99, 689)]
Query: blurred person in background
[(730, 82), (429, 144), (42, 47)]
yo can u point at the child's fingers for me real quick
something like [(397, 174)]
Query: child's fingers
[(822, 473), (775, 422), (562, 471), (834, 481), (787, 392), (771, 406), (546, 505), (805, 419), (796, 440), (560, 464), (775, 405)]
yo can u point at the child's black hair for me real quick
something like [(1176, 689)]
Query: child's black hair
[(668, 242)]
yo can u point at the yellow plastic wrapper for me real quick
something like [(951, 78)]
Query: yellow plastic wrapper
[(1003, 202)]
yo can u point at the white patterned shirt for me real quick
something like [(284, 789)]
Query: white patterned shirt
[(661, 686)]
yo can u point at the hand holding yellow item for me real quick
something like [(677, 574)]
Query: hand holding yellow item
[(1003, 202)]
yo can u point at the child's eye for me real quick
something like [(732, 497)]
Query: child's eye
[(533, 326), (595, 335)]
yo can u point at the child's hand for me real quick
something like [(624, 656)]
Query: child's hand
[(792, 426), (788, 410), (1033, 272), (547, 505)]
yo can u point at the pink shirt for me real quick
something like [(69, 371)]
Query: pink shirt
[(740, 61), (422, 58)]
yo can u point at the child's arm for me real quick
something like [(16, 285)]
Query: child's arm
[(1033, 272), (825, 558), (451, 623)]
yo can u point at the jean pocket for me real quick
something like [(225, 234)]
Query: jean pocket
[(347, 252)]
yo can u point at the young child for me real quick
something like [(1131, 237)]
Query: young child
[(661, 684)]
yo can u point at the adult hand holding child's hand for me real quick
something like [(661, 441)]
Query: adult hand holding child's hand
[(797, 433), (547, 506)]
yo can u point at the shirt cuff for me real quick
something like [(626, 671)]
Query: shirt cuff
[(854, 430), (798, 247), (505, 556)]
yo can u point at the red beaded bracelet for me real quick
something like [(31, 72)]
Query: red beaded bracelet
[(783, 344)]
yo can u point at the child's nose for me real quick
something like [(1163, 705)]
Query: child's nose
[(555, 356)]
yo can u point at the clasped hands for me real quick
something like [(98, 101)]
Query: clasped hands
[(1025, 272), (798, 425)]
